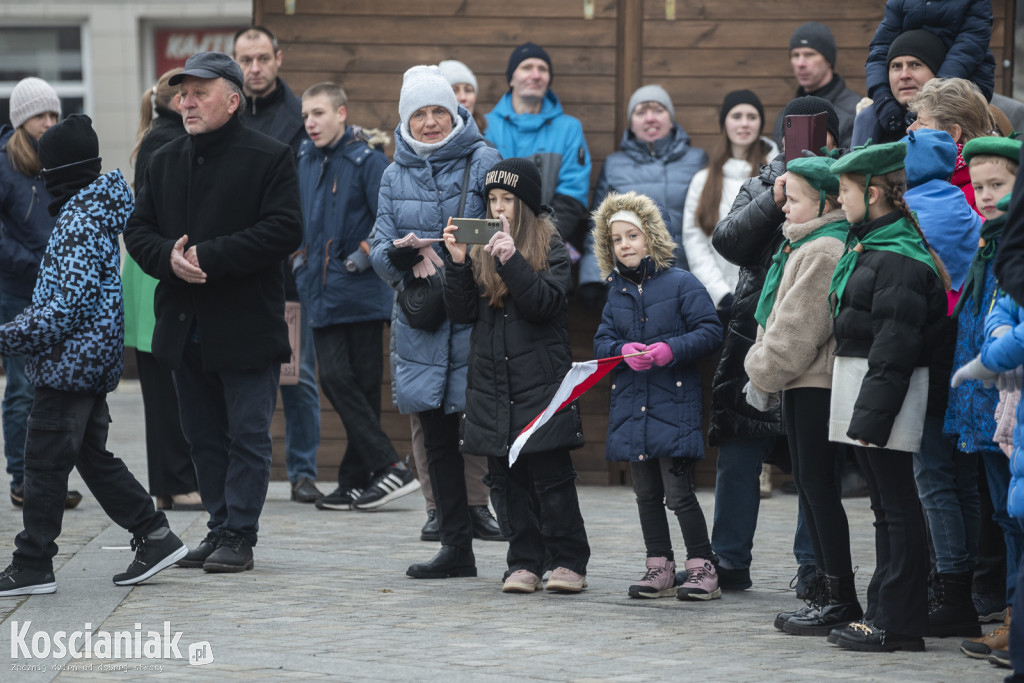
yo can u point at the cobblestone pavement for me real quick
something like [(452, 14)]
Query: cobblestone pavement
[(329, 598)]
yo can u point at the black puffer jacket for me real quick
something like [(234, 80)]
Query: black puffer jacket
[(748, 236), (518, 354), (893, 313)]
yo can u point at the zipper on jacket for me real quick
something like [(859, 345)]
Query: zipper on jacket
[(32, 203)]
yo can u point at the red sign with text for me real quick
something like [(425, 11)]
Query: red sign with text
[(174, 45)]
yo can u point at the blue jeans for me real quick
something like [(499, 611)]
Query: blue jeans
[(737, 501), (301, 404), (225, 417), (947, 483), (997, 471), (17, 400)]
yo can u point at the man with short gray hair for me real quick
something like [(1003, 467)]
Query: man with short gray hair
[(217, 214)]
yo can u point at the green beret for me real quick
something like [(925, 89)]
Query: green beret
[(871, 160), (994, 145), (817, 171)]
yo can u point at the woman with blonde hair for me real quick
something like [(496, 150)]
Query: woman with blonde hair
[(172, 478), (25, 227)]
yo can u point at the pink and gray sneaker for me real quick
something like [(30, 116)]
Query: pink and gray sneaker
[(701, 581), (658, 582)]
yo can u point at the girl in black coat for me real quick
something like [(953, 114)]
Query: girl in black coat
[(513, 290), (889, 300)]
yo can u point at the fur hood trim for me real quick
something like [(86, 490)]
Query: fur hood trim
[(660, 246), (373, 137)]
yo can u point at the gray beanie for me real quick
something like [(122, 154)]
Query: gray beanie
[(32, 96), (456, 72), (651, 93), (817, 37), (424, 86)]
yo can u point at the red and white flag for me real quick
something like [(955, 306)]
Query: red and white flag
[(578, 380)]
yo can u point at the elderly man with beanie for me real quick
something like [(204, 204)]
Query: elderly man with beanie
[(438, 173), (25, 227), (217, 214), (812, 54), (528, 121), (655, 159), (72, 334)]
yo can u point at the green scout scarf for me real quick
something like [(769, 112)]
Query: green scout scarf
[(839, 230), (899, 237), (975, 282)]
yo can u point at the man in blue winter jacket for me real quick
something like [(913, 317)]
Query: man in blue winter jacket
[(528, 122), (72, 335)]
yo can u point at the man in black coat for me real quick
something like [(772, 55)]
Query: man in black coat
[(218, 212)]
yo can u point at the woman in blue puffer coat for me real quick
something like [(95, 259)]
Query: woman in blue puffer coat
[(440, 157)]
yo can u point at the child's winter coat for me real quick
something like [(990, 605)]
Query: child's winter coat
[(1001, 354)]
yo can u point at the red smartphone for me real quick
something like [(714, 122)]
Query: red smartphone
[(805, 132)]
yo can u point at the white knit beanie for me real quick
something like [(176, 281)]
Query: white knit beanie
[(651, 93), (456, 72), (32, 96), (424, 86)]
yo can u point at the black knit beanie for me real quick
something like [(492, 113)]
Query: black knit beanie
[(809, 105), (69, 154), (739, 97), (817, 37), (922, 44), (524, 52), (518, 176)]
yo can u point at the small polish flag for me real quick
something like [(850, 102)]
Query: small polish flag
[(578, 380)]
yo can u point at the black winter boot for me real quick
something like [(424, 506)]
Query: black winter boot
[(839, 609), (813, 602), (954, 613)]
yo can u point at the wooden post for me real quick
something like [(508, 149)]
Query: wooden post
[(629, 60)]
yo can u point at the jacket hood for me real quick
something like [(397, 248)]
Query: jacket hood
[(107, 200), (375, 138), (660, 246), (460, 145), (673, 146), (551, 108), (931, 155)]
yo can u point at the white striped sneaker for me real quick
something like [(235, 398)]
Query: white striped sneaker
[(391, 484)]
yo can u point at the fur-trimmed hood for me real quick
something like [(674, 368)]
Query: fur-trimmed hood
[(375, 138), (660, 246)]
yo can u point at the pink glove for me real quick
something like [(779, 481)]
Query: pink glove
[(660, 353), (502, 246), (638, 363), (430, 263)]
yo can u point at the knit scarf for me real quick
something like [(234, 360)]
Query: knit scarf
[(899, 237), (974, 284), (765, 304)]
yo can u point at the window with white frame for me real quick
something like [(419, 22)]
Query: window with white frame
[(53, 53)]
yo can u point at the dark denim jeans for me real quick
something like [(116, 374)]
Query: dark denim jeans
[(225, 417), (301, 405), (351, 368), (947, 482), (538, 511), (737, 501), (668, 483), (68, 430), (997, 472), (17, 400)]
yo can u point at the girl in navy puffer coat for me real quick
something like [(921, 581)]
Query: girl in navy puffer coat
[(662, 319)]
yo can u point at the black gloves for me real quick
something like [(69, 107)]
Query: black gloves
[(404, 258)]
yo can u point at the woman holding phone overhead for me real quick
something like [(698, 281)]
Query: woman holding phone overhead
[(438, 173)]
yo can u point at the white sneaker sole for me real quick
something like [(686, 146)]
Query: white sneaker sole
[(37, 589), (158, 567), (566, 586), (701, 596), (405, 490)]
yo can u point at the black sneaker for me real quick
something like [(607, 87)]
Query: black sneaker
[(989, 606), (233, 554), (197, 556), (72, 500), (18, 497), (18, 579), (390, 484), (153, 553), (339, 499)]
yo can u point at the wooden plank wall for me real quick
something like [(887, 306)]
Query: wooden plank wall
[(601, 50)]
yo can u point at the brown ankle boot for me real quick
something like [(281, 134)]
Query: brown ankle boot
[(981, 648)]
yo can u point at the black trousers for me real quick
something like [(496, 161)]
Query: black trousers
[(351, 365), (170, 467), (447, 477), (662, 483), (538, 511), (66, 430), (898, 591), (818, 473)]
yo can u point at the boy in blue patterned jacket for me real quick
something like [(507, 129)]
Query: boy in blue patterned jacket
[(73, 335)]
